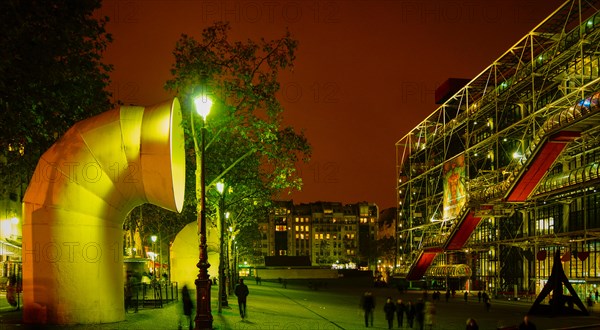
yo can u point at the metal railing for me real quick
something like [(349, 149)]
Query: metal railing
[(153, 295)]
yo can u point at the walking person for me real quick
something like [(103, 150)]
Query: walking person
[(410, 314), (127, 297), (368, 305), (130, 292), (400, 307), (486, 301), (389, 309), (188, 306), (466, 296), (526, 324), (241, 292), (420, 314), (472, 324), (429, 314)]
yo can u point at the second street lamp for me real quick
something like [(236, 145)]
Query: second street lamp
[(222, 294), (204, 317), (154, 257)]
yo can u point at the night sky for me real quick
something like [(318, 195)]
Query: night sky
[(365, 73)]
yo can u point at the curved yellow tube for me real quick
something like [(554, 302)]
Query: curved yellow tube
[(83, 188)]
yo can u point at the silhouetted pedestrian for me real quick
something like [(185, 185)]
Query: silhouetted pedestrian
[(479, 296), (447, 295), (131, 292), (429, 314), (472, 324), (526, 324), (420, 313), (127, 297), (466, 296), (487, 301), (368, 305), (389, 309), (410, 313), (400, 308), (241, 292), (188, 306)]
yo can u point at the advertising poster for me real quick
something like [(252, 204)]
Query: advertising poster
[(454, 186)]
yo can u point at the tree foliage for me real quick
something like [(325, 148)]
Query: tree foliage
[(245, 143), (51, 77)]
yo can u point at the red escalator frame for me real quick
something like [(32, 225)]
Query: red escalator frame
[(423, 262), (542, 161), (461, 234)]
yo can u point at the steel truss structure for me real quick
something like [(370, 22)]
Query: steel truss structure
[(506, 171)]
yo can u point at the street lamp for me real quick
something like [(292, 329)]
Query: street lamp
[(153, 239), (230, 238), (204, 317), (222, 294)]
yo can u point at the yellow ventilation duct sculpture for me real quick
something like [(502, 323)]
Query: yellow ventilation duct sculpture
[(83, 188)]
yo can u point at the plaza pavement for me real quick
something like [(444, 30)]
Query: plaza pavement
[(334, 306)]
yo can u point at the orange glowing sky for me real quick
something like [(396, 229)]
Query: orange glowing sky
[(365, 73)]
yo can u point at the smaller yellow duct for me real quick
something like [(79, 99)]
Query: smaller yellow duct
[(82, 189)]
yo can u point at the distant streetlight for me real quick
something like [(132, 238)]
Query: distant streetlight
[(204, 317)]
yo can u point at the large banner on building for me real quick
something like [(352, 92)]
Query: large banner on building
[(454, 186)]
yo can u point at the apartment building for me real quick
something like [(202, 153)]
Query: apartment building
[(330, 233)]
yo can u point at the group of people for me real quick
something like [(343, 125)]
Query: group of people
[(526, 324), (241, 291), (421, 312)]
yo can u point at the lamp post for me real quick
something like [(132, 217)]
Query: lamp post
[(204, 317), (235, 272), (222, 294), (230, 257), (153, 239), (226, 289)]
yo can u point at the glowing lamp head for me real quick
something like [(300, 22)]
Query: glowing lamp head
[(153, 238), (203, 104), (220, 187)]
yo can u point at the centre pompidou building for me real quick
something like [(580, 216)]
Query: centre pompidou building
[(505, 172)]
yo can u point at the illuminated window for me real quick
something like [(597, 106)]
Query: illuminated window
[(327, 237), (544, 225), (316, 236), (297, 228), (280, 228)]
